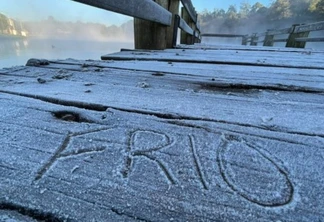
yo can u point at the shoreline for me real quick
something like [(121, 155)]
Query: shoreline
[(7, 36)]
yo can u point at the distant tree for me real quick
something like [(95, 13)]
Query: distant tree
[(258, 18), (232, 18), (316, 8), (219, 13), (258, 15), (207, 15), (281, 9), (51, 19), (300, 8), (3, 23), (245, 10), (313, 5), (320, 9), (256, 7), (232, 12)]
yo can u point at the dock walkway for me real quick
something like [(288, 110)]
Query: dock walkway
[(197, 133)]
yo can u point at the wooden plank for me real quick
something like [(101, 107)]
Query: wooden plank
[(221, 35), (160, 160), (300, 59), (186, 139), (311, 39), (199, 95), (281, 40), (223, 75), (142, 9), (262, 34), (185, 38), (280, 32), (206, 46), (190, 9), (309, 27), (185, 27)]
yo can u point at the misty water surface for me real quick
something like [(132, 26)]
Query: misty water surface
[(14, 52)]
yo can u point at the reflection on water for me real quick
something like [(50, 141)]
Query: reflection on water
[(15, 52)]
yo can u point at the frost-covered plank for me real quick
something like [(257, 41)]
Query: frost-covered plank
[(206, 46), (209, 74), (302, 59), (115, 165), (181, 96), (185, 27), (316, 26), (190, 9)]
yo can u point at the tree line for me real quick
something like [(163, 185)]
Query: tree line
[(52, 28), (258, 18), (10, 26)]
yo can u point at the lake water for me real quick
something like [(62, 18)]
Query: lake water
[(14, 52)]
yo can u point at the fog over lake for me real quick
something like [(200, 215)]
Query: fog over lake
[(16, 51)]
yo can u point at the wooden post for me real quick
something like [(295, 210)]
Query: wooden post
[(292, 38), (268, 39), (245, 39), (185, 38), (174, 9), (193, 26), (198, 39), (151, 35), (175, 30), (254, 39)]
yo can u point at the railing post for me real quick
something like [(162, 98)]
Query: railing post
[(194, 27), (151, 35), (185, 38), (254, 39), (175, 30), (197, 29), (245, 39), (174, 9), (268, 39), (292, 38)]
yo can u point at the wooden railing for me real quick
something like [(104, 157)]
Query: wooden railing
[(296, 36), (225, 36), (156, 22)]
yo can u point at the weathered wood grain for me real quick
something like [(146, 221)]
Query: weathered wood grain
[(205, 46), (314, 39), (310, 27), (220, 137), (185, 27), (304, 80), (128, 166), (222, 35), (182, 95), (143, 9), (280, 32), (190, 10), (303, 59)]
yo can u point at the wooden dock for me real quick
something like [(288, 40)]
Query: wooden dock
[(197, 133)]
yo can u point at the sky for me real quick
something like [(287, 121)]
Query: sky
[(67, 10)]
